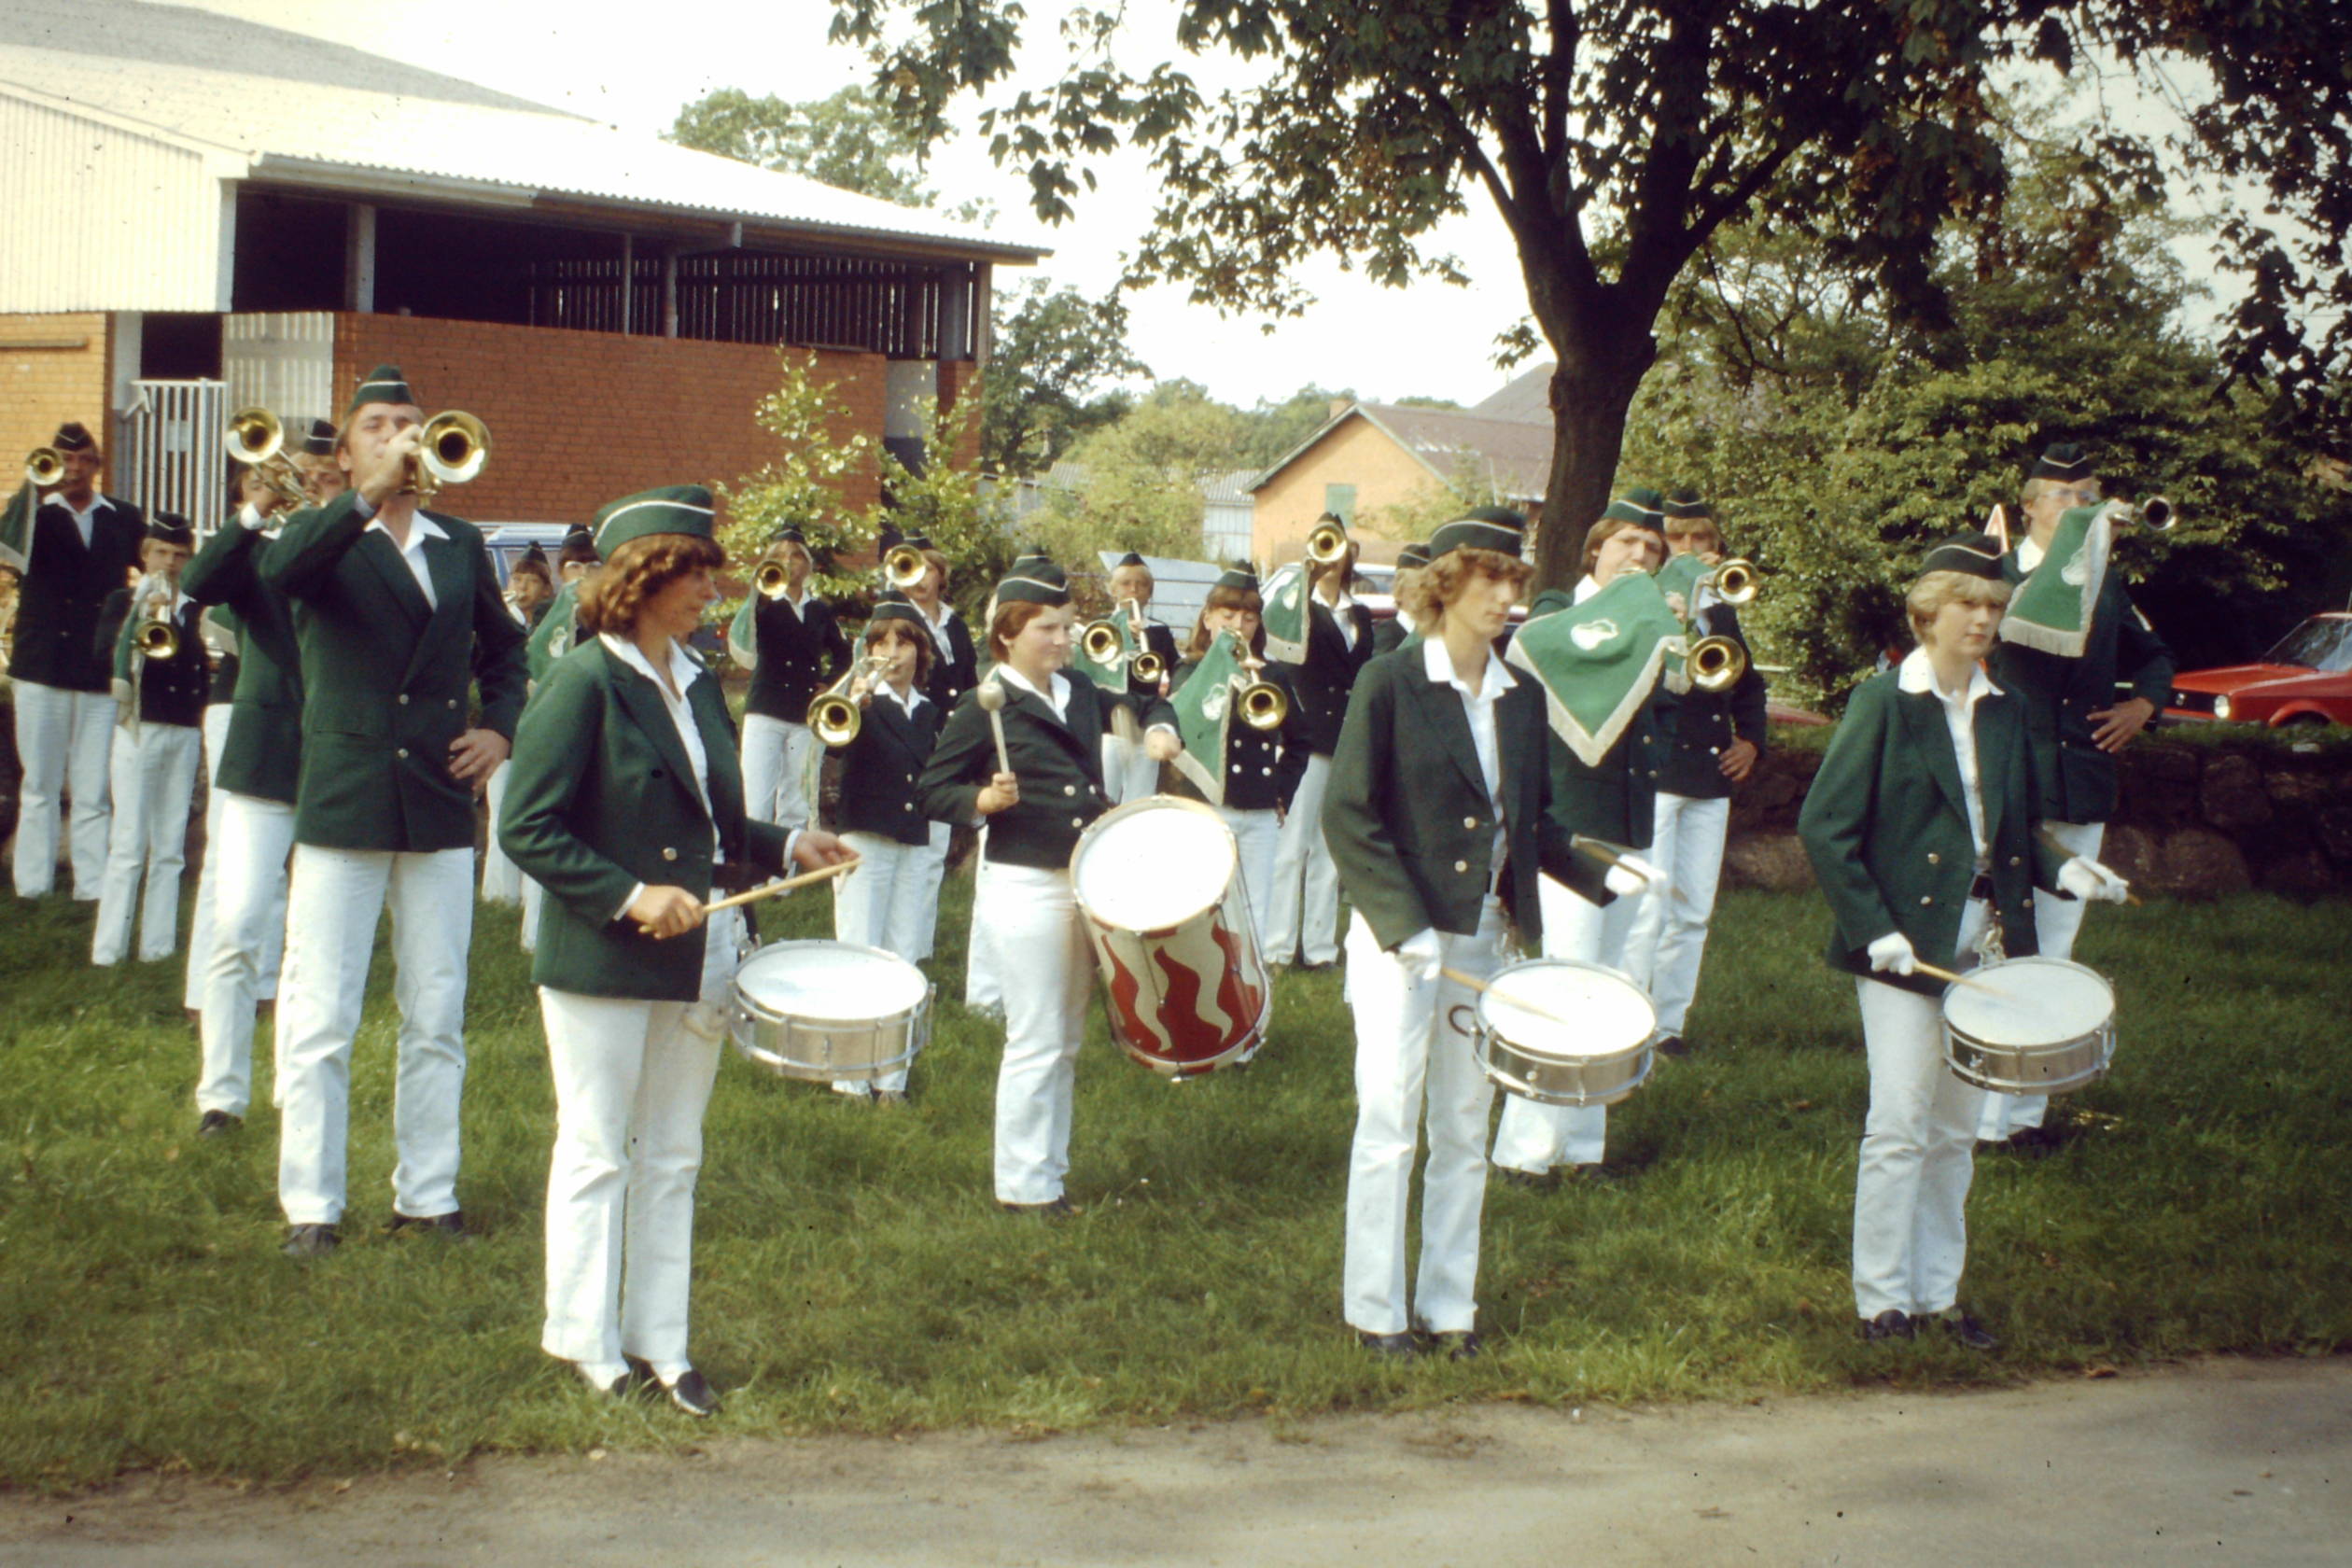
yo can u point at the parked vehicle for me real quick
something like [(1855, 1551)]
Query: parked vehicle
[(2305, 680)]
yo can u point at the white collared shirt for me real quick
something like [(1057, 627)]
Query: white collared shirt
[(1915, 674), (1584, 590), (1478, 706), (908, 701), (938, 626), (85, 520), (1057, 699), (1339, 609), (683, 673), (2029, 555), (421, 528)]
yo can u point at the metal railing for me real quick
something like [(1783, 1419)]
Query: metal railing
[(167, 451)]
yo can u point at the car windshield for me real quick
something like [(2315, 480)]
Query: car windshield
[(2324, 645)]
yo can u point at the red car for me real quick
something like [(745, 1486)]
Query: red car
[(2305, 680)]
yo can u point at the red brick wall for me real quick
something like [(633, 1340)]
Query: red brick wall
[(958, 379), (46, 381), (579, 418)]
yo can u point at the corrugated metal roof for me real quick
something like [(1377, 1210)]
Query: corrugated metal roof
[(303, 112)]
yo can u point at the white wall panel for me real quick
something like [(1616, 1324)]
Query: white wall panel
[(283, 360), (98, 217)]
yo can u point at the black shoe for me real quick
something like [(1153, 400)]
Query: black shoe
[(1056, 1208), (1535, 1181), (692, 1395), (449, 1227), (216, 1124), (1459, 1344), (1396, 1346), (1673, 1046), (1969, 1333), (1893, 1324), (310, 1241)]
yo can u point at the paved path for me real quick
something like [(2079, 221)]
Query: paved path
[(2239, 1463)]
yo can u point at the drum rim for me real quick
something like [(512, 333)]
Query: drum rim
[(768, 1014), (1482, 1052), (1495, 979), (1150, 803), (1953, 994)]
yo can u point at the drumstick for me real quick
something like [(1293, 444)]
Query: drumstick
[(1458, 978), (771, 890), (992, 700), (1955, 978), (2050, 840), (1610, 854)]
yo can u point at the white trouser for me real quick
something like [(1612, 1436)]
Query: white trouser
[(65, 740), (2056, 922), (1910, 1231), (632, 1080), (1259, 838), (775, 759), (1129, 773), (199, 928), (1414, 1062), (246, 863), (1304, 910), (154, 782), (881, 904), (1036, 925), (534, 897), (1669, 934), (982, 990), (1531, 1135), (935, 855), (501, 878), (332, 904)]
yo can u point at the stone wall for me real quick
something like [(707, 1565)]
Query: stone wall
[(2195, 819)]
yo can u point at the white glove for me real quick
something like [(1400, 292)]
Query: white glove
[(1420, 956), (1632, 874), (1893, 952), (2087, 879)]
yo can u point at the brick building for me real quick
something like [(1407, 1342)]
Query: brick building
[(212, 212)]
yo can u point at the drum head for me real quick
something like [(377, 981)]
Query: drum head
[(830, 982), (1154, 863), (2030, 1001), (1605, 1013)]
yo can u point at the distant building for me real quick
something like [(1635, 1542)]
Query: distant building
[(1369, 457), (207, 212), (1225, 505)]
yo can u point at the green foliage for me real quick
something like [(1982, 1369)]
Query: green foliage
[(942, 502), (848, 141), (1274, 430), (802, 484), (1055, 360), (853, 1275), (1142, 479)]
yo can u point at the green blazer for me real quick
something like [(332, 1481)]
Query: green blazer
[(1885, 825), (600, 797), (552, 638), (263, 754), (386, 675), (1407, 815)]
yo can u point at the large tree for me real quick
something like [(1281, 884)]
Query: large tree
[(849, 141), (1615, 138), (1055, 362)]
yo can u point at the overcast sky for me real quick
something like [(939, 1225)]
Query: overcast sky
[(1432, 340)]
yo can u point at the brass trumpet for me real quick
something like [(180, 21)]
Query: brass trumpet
[(772, 580), (256, 439), (2155, 514), (833, 718), (1148, 666), (1263, 705), (1328, 544), (903, 566), (454, 449), (157, 637), (1100, 641), (1715, 664), (45, 468), (1732, 581)]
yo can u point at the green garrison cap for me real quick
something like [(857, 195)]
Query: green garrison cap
[(2065, 460), (384, 384), (320, 442), (1033, 579), (893, 606), (1412, 557), (1685, 503), (72, 436), (1642, 506), (674, 508), (172, 528), (1977, 554), (1496, 528), (1241, 575)]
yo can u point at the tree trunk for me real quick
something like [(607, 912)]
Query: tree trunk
[(1598, 373)]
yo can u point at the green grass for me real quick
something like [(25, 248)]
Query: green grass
[(852, 1273)]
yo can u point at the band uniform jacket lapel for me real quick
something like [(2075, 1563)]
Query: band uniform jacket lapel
[(1931, 737), (391, 568), (1085, 747), (452, 611), (1444, 722), (638, 694)]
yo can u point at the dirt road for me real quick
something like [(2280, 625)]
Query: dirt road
[(2226, 1461)]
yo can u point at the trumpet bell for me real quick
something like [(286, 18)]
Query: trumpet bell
[(1149, 666), (456, 447), (254, 435), (157, 639), (1717, 664), (44, 467), (835, 720), (772, 580), (1327, 544), (1263, 706), (903, 566), (1735, 582), (1101, 642), (2157, 513)]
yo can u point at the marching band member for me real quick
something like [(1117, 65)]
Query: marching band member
[(157, 746), (627, 806), (72, 550), (1260, 769), (1129, 769), (557, 630), (889, 899), (1391, 633), (397, 614), (1052, 726), (954, 665), (794, 646), (1436, 817), (1921, 829), (530, 589), (254, 785), (2075, 724), (1587, 915), (1713, 740), (982, 991), (1303, 915)]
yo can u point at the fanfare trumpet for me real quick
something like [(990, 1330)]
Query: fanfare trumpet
[(834, 716), (256, 439), (45, 468), (1262, 704), (156, 637), (2155, 514), (1715, 664), (1328, 544), (772, 580), (903, 566), (1731, 582), (1105, 642), (454, 450)]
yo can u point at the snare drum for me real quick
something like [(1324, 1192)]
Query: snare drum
[(2030, 1026), (1159, 884), (1564, 1033), (830, 1011)]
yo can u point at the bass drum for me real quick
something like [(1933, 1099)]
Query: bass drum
[(2030, 1025), (830, 1011), (1159, 883)]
